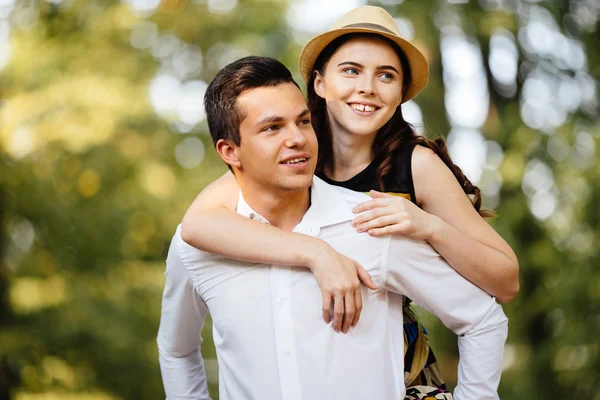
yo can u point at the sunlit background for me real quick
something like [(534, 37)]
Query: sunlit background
[(104, 144)]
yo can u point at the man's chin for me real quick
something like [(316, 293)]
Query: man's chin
[(297, 183)]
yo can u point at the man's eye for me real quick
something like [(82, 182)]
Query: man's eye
[(270, 128)]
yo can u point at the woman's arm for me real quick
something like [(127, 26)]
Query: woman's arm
[(211, 224), (450, 223), (460, 234)]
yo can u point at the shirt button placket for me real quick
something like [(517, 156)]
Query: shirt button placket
[(288, 370)]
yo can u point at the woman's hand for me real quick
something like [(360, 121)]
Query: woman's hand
[(387, 214), (339, 279)]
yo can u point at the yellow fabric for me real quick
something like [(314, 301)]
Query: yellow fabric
[(405, 195), (420, 356)]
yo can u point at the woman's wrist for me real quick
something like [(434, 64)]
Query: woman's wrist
[(311, 250), (436, 228)]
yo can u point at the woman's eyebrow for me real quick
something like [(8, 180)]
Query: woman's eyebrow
[(381, 67), (388, 67), (350, 63)]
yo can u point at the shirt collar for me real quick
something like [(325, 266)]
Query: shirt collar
[(327, 206), (247, 211)]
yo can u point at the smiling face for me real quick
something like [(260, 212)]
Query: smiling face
[(361, 85), (278, 147)]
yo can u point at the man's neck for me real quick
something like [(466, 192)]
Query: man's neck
[(283, 209), (351, 154)]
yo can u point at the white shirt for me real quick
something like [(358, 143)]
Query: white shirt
[(272, 342)]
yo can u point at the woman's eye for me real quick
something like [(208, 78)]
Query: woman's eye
[(305, 122), (351, 71), (387, 76)]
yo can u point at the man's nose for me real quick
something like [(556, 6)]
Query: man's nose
[(296, 137)]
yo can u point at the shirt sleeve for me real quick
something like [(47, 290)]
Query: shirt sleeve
[(416, 270), (182, 318)]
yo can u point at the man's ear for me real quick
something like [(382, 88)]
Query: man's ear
[(228, 152), (319, 85)]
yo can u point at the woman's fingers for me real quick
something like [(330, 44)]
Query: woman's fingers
[(338, 311), (378, 195), (372, 214), (358, 303), (350, 311), (340, 280), (326, 306), (380, 222), (364, 277), (370, 204), (387, 230)]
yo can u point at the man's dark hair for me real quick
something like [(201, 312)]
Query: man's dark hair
[(224, 118)]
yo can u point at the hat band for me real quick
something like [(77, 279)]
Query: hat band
[(370, 26)]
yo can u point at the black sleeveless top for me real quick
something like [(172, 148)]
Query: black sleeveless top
[(397, 182)]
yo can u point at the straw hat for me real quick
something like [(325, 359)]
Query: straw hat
[(368, 19)]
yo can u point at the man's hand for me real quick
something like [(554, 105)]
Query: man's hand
[(339, 278)]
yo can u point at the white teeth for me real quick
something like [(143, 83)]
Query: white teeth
[(294, 160), (362, 107)]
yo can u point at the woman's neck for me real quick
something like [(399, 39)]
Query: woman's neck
[(351, 154)]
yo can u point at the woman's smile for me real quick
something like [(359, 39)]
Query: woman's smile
[(363, 109), (362, 86)]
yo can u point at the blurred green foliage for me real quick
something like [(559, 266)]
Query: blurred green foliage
[(92, 186)]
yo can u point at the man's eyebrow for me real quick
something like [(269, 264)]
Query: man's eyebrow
[(381, 67), (270, 119), (276, 118), (304, 113)]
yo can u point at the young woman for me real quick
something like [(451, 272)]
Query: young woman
[(358, 75)]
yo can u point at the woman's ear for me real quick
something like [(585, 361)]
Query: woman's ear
[(319, 85), (229, 153)]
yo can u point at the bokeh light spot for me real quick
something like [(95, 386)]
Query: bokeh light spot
[(413, 115), (88, 183), (468, 150), (221, 6), (190, 152), (158, 180), (31, 294), (23, 235), (142, 226)]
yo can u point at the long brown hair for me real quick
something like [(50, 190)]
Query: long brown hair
[(390, 137)]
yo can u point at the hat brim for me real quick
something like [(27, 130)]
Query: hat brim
[(419, 68)]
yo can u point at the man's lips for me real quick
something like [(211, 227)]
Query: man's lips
[(298, 159)]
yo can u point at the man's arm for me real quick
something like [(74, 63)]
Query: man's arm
[(179, 340), (415, 269)]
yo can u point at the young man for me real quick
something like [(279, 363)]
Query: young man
[(271, 341)]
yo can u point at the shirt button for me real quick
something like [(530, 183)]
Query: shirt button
[(280, 302), (287, 353)]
